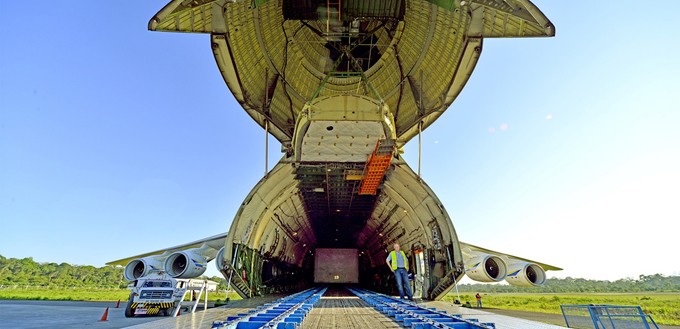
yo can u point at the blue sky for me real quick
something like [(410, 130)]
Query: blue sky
[(565, 150)]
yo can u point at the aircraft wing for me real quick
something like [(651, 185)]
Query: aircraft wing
[(215, 242), (464, 245)]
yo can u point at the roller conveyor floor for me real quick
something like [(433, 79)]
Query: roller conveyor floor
[(339, 308)]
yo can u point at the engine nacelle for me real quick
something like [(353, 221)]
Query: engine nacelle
[(525, 274), (219, 260), (143, 266), (185, 264), (485, 268)]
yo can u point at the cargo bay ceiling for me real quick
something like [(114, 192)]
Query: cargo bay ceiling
[(275, 218), (413, 55)]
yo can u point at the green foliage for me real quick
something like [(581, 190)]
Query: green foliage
[(27, 279), (658, 295), (221, 282), (651, 283), (57, 293), (27, 272)]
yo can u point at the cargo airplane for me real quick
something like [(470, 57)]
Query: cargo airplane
[(343, 85)]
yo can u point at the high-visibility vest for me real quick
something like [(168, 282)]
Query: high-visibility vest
[(393, 258)]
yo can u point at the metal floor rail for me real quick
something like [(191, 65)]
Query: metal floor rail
[(416, 317), (285, 313)]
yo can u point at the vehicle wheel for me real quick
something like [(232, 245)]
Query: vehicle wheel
[(129, 312)]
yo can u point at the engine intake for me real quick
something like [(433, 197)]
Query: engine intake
[(525, 274), (185, 264), (485, 268), (143, 266), (219, 260)]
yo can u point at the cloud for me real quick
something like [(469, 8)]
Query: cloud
[(504, 126), (548, 117)]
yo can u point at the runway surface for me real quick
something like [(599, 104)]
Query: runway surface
[(333, 311), (64, 314)]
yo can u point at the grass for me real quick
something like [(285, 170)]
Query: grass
[(663, 307), (87, 294), (52, 293)]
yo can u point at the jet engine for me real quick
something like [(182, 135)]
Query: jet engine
[(143, 266), (186, 264), (525, 274), (485, 268)]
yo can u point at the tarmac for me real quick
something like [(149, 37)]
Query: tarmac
[(64, 314), (331, 312)]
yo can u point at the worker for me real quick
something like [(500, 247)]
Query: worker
[(398, 263), (479, 300)]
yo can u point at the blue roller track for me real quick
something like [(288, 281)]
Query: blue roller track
[(413, 316), (285, 313)]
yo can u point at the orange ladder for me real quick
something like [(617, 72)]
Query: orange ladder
[(336, 4), (376, 166)]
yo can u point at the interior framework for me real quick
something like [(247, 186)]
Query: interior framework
[(274, 228), (413, 57)]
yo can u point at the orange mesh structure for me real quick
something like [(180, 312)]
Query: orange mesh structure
[(376, 166)]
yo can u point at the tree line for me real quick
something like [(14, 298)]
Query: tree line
[(27, 272), (644, 283)]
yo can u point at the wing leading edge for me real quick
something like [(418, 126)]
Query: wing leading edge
[(213, 242), (486, 265), (464, 245)]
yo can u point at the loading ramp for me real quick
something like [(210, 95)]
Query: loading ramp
[(339, 308), (290, 312)]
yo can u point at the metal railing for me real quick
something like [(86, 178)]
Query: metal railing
[(606, 317)]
